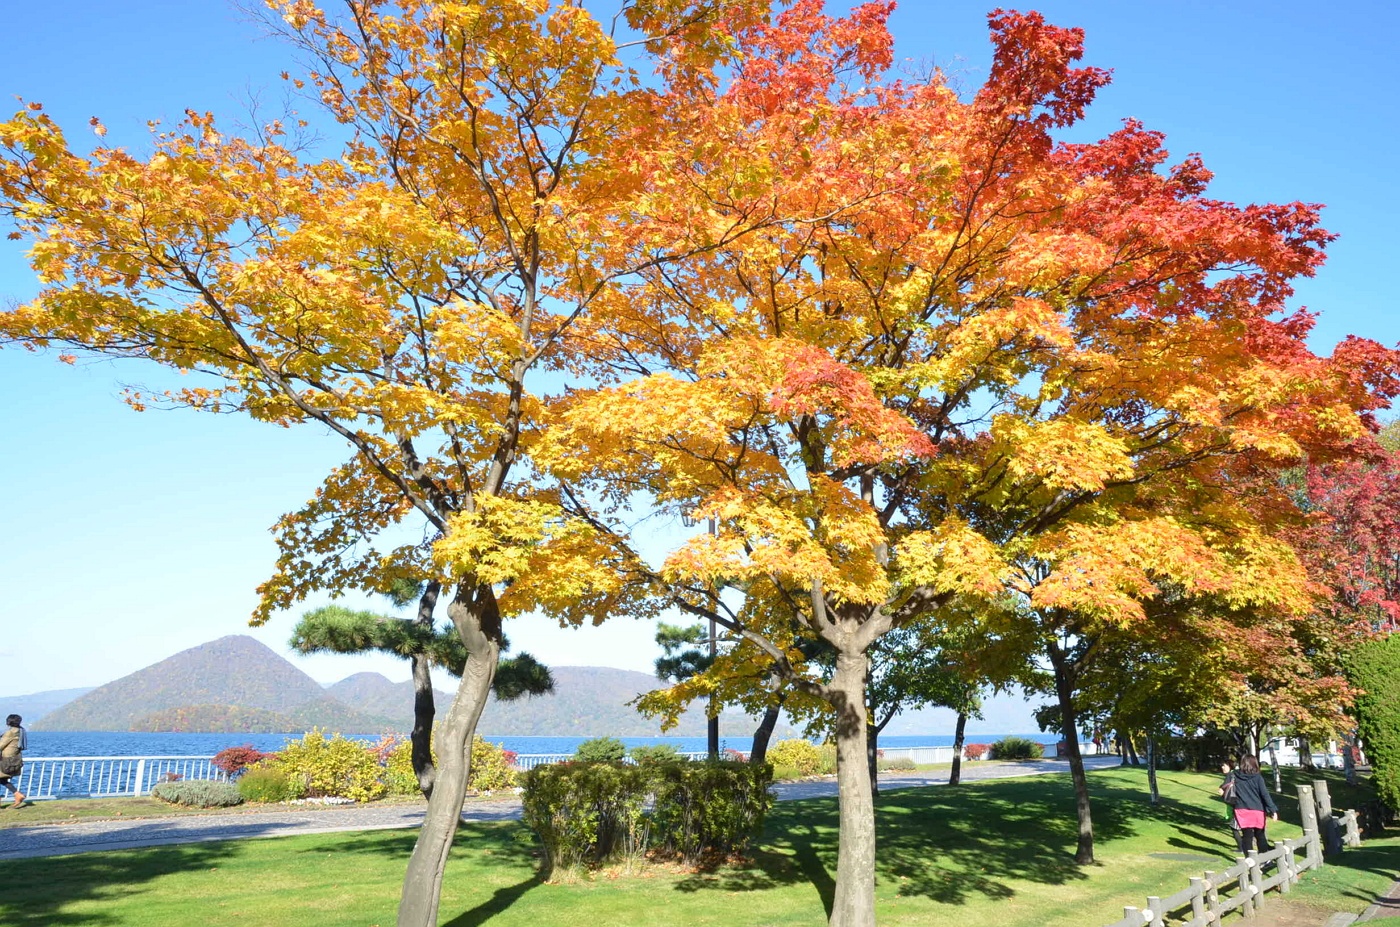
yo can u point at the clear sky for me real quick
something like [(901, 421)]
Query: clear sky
[(126, 537)]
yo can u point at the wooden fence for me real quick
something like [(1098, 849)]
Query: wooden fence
[(1242, 887)]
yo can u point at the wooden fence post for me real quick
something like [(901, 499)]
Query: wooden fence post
[(1307, 809), (1198, 900), (1329, 827), (1212, 899), (1288, 866), (1246, 886), (1351, 833), (1157, 914), (1256, 880)]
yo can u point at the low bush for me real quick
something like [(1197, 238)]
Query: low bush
[(893, 763), (234, 760), (267, 782), (332, 767), (493, 767), (826, 766), (707, 810), (975, 751), (197, 793), (786, 773), (801, 755), (653, 754), (601, 750), (587, 814), (1017, 748)]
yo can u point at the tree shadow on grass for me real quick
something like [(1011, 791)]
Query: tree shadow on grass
[(499, 901), (952, 844), (40, 892)]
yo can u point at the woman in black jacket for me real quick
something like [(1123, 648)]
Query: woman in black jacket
[(1252, 802)]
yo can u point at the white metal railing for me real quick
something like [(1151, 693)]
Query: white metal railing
[(531, 760), (108, 776)]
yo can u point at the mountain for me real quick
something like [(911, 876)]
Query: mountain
[(36, 705), (235, 670), (587, 701), (325, 713)]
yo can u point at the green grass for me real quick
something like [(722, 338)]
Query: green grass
[(75, 810), (990, 852)]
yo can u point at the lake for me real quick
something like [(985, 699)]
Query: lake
[(44, 744)]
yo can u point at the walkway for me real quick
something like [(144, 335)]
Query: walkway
[(91, 836)]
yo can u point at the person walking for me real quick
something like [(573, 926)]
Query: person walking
[(1253, 805), (12, 746)]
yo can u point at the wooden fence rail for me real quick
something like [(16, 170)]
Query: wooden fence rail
[(1241, 887)]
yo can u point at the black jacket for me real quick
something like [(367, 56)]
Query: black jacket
[(1252, 794)]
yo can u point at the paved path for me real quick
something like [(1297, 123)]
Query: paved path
[(89, 836)]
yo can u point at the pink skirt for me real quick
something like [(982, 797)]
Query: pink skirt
[(1244, 817)]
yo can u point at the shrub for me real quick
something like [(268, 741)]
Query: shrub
[(1017, 748), (827, 764), (801, 755), (655, 754), (786, 773), (975, 751), (587, 814), (198, 793), (1374, 668), (713, 809), (601, 750), (894, 763), (233, 760), (334, 767), (267, 782), (493, 767)]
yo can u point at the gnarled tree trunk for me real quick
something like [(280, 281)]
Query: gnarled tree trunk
[(424, 709), (474, 613)]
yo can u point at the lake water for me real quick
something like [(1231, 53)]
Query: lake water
[(124, 743)]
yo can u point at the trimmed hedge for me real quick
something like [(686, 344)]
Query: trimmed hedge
[(600, 750), (1374, 667), (267, 782), (198, 793), (590, 814), (1017, 748)]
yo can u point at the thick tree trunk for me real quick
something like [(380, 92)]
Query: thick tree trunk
[(474, 613), (1305, 759), (1121, 743), (1064, 691), (424, 710), (759, 753), (854, 902), (872, 757), (1154, 796), (955, 776), (1132, 751)]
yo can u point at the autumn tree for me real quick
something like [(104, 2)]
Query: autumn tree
[(981, 366), (502, 180)]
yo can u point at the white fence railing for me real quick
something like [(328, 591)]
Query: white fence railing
[(108, 776)]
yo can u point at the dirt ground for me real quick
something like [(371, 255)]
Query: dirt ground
[(1284, 913)]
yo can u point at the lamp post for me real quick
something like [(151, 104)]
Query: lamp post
[(712, 720)]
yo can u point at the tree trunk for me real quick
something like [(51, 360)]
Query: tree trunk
[(1305, 759), (474, 613), (1121, 744), (1064, 690), (1348, 757), (424, 710), (853, 904), (1154, 796), (955, 776), (1132, 751), (872, 757), (1273, 761), (759, 753)]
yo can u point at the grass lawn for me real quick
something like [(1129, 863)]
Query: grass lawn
[(75, 810), (996, 852)]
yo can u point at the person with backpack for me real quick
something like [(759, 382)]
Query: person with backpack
[(1253, 805), (12, 745)]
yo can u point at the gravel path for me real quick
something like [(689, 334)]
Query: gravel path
[(90, 836)]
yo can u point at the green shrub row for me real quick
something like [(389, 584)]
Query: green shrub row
[(198, 793), (589, 814), (1016, 748), (317, 766)]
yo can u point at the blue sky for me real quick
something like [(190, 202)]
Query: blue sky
[(127, 537)]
